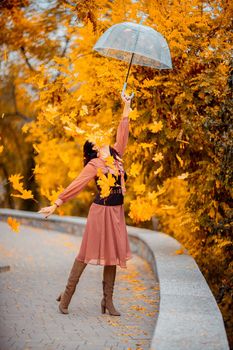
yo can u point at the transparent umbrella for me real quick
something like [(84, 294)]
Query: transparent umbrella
[(136, 44)]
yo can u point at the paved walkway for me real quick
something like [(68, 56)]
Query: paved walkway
[(40, 263)]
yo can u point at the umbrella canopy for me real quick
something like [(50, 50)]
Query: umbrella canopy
[(149, 46), (135, 43)]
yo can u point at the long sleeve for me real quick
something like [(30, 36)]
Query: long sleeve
[(122, 136), (76, 186)]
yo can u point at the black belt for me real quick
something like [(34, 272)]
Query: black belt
[(114, 198)]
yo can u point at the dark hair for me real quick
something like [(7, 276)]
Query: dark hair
[(90, 153)]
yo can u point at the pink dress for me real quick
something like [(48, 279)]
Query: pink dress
[(105, 239)]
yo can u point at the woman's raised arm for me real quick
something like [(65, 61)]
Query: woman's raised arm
[(122, 136), (123, 128)]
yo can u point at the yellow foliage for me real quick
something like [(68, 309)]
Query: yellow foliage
[(141, 210), (139, 188)]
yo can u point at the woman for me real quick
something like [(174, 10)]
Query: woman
[(105, 239)]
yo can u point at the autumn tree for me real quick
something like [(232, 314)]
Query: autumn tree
[(180, 149)]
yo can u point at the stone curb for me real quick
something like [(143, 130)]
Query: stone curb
[(189, 317)]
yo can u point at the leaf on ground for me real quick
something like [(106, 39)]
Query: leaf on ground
[(13, 223)]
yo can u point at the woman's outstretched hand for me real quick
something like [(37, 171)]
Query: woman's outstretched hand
[(48, 210)]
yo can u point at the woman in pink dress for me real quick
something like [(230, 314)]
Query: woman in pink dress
[(105, 239)]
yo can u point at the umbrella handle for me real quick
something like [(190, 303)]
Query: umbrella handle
[(123, 90)]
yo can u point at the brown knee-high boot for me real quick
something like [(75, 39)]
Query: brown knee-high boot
[(109, 275), (65, 297)]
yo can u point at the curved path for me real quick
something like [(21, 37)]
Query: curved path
[(40, 262)]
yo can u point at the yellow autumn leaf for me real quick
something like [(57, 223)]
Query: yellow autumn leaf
[(157, 157), (146, 145), (105, 182), (13, 223), (155, 126), (39, 170), (179, 251), (156, 172), (134, 114), (25, 128), (51, 195), (5, 54), (168, 207), (36, 148), (51, 112), (138, 308), (109, 161), (73, 129), (1, 148), (18, 186), (83, 110), (183, 176), (135, 169), (98, 136), (180, 160)]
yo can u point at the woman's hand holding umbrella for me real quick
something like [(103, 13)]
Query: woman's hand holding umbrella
[(127, 100)]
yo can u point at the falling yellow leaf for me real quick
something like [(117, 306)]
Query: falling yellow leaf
[(25, 194), (105, 182), (109, 161), (13, 223), (98, 136), (1, 148)]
